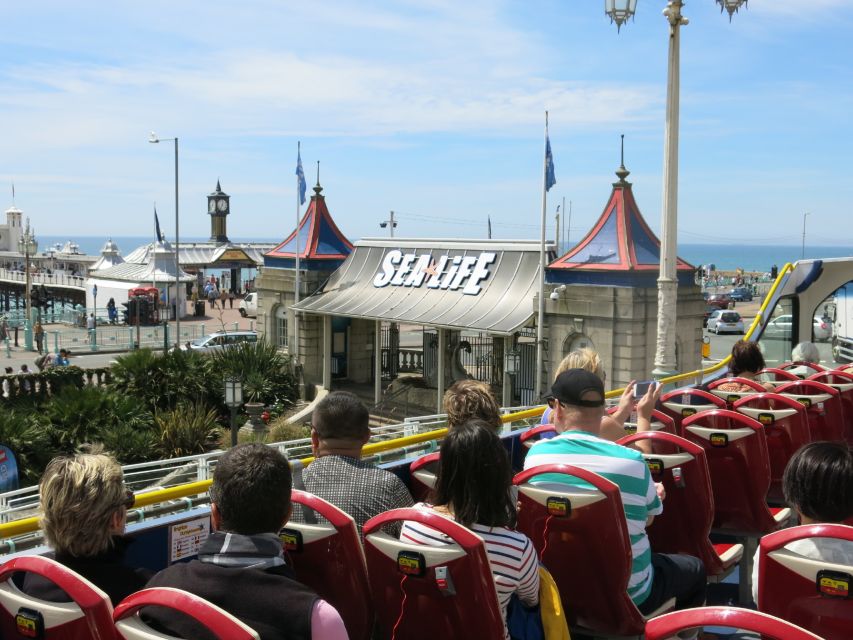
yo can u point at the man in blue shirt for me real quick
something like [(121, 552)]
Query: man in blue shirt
[(577, 402)]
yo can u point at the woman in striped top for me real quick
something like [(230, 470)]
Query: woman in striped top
[(473, 488)]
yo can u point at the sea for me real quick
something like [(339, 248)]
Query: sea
[(725, 257)]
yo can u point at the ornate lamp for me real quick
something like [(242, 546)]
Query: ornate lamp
[(620, 10), (233, 400), (731, 6)]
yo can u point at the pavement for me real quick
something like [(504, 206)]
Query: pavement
[(116, 339)]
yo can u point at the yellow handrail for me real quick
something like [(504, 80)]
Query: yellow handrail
[(29, 525)]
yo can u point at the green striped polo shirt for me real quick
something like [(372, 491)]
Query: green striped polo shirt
[(627, 469)]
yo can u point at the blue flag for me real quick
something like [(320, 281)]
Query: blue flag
[(301, 175), (550, 178), (157, 226)]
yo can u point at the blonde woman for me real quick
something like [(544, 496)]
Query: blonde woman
[(84, 503), (612, 426)]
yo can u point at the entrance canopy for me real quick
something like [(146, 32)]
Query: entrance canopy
[(485, 285)]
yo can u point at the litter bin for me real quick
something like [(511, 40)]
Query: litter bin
[(199, 308)]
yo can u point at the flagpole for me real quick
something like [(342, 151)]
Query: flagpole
[(540, 318), (296, 285)]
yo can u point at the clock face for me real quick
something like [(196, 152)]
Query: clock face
[(222, 205), (211, 205)]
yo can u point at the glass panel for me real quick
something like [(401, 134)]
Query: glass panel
[(832, 328), (776, 341)]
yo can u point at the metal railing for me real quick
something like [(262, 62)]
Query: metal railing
[(39, 278)]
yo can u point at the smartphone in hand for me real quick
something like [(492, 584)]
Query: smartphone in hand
[(641, 388)]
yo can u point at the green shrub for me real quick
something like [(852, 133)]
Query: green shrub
[(187, 430), (265, 373), (30, 443)]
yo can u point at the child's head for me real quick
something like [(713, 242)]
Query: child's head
[(818, 481)]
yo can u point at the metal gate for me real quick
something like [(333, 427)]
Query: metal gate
[(390, 341), (525, 380)]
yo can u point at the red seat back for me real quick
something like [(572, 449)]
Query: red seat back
[(736, 449), (431, 592), (531, 436), (786, 429), (576, 522), (770, 628), (823, 407), (328, 558), (216, 620), (796, 364), (88, 617), (660, 422), (731, 396), (682, 403), (685, 524), (776, 376), (842, 381), (423, 474), (814, 594)]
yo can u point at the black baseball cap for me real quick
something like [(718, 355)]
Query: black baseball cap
[(571, 385)]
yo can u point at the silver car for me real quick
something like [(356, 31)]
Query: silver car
[(725, 321), (221, 340)]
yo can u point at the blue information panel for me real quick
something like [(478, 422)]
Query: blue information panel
[(8, 470)]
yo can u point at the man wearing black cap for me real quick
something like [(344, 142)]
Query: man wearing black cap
[(577, 402)]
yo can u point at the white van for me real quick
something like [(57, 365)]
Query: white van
[(249, 305)]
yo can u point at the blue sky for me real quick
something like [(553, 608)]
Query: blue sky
[(432, 108)]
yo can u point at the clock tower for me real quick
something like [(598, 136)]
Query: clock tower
[(218, 206)]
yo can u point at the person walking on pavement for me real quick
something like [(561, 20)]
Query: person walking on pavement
[(223, 297), (38, 332), (231, 299), (212, 295)]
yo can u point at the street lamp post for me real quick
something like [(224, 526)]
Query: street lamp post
[(805, 215), (28, 245), (154, 139), (233, 400), (619, 12)]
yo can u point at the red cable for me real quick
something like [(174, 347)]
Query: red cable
[(402, 608), (545, 538)]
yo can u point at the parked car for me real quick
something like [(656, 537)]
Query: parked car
[(719, 301), (221, 340), (249, 305), (822, 329), (780, 327), (723, 321), (741, 294), (708, 311)]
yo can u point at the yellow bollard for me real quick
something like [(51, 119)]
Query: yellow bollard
[(706, 347)]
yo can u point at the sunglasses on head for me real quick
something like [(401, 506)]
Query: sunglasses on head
[(129, 499)]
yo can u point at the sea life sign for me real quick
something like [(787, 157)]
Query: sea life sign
[(467, 272)]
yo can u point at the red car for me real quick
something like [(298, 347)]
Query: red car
[(719, 301)]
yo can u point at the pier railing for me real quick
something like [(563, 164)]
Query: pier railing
[(43, 278)]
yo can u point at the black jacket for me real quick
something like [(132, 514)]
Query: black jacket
[(270, 601)]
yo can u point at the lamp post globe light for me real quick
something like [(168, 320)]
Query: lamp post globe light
[(28, 245), (619, 11), (153, 138), (233, 400)]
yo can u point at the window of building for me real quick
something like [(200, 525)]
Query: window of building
[(280, 328)]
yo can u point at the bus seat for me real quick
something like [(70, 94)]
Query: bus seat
[(89, 616), (769, 628), (581, 537), (423, 474), (660, 422), (776, 376), (423, 591), (843, 382), (736, 449), (786, 429), (807, 368), (731, 396), (823, 407), (328, 558), (688, 514), (681, 403), (533, 435), (216, 620), (814, 594)]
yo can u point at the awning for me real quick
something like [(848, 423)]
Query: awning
[(482, 285)]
